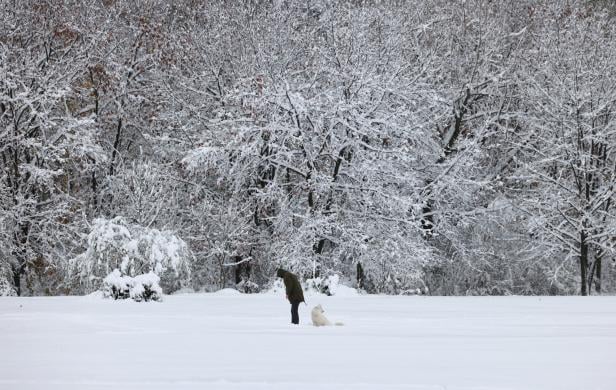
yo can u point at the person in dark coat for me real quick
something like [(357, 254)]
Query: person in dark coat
[(295, 294)]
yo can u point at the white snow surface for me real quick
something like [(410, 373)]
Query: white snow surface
[(234, 341)]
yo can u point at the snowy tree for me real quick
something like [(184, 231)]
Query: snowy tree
[(451, 147), (321, 144), (569, 165), (42, 142), (134, 250)]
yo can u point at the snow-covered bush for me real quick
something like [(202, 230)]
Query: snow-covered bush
[(247, 286), (117, 286), (133, 250), (143, 287), (146, 288), (328, 285)]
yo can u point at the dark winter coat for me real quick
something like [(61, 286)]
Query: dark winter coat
[(292, 285)]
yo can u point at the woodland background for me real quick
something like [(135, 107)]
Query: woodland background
[(438, 147)]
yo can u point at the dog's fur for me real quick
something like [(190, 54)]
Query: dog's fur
[(319, 319)]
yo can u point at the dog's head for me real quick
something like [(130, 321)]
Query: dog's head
[(318, 309)]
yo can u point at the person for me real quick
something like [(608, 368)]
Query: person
[(295, 294)]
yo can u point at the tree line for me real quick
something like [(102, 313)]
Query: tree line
[(438, 147)]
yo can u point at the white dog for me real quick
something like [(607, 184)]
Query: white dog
[(318, 319)]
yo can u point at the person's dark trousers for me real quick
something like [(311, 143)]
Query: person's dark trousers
[(294, 312)]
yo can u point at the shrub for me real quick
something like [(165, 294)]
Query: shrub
[(146, 288), (247, 286), (141, 288), (133, 250), (327, 286), (117, 286)]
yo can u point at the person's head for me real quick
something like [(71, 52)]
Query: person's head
[(280, 273)]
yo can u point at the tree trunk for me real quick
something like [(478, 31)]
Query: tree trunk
[(449, 138), (360, 276), (344, 153), (19, 269), (94, 193), (583, 263), (598, 276), (17, 280), (116, 146), (427, 221)]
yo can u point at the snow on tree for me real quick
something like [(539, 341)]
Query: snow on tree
[(402, 146), (6, 276), (308, 161), (132, 249), (568, 166)]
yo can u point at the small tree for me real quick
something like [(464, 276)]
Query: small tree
[(114, 244)]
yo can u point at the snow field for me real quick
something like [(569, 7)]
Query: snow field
[(231, 341)]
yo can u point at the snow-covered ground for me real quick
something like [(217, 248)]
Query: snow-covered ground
[(230, 341)]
